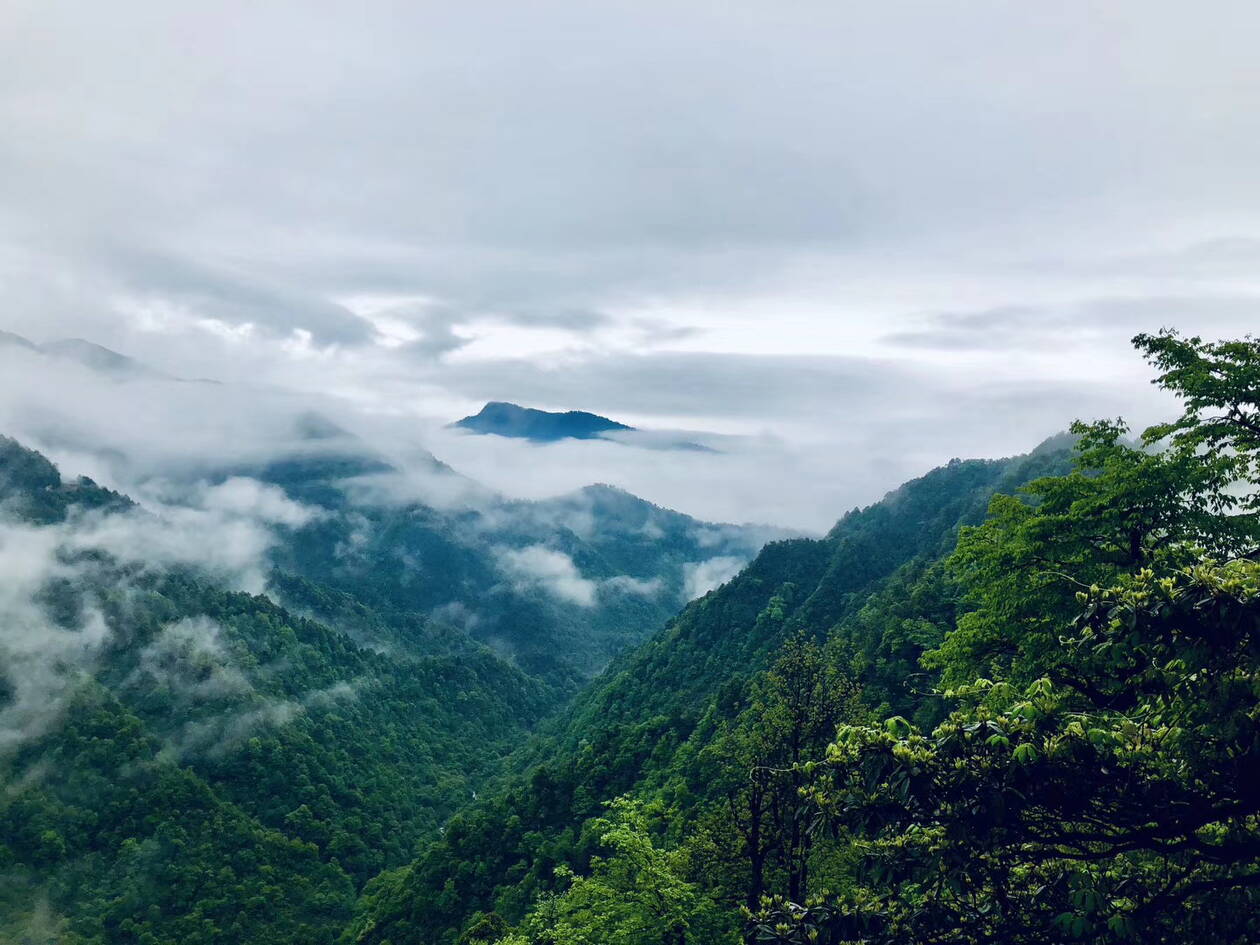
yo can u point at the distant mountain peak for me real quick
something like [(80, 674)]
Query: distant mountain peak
[(539, 426), (95, 356), (17, 341), (87, 353)]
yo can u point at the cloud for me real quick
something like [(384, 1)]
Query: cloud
[(239, 496), (44, 659), (50, 644), (190, 659), (537, 567), (684, 384), (749, 224), (700, 577), (1110, 321), (167, 288), (139, 433), (228, 548), (40, 660), (828, 432), (553, 572), (218, 733), (625, 584), (52, 632), (567, 182)]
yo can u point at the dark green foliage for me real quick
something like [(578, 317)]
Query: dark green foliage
[(31, 488), (131, 848), (297, 739), (346, 725), (219, 768), (1118, 813), (1080, 672), (414, 557), (1015, 702)]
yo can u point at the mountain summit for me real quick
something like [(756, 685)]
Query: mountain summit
[(539, 426), (87, 353)]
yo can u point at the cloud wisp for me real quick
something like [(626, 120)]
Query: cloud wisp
[(52, 628)]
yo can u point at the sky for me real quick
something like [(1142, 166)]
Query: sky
[(849, 240)]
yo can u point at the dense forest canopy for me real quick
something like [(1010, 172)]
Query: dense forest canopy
[(182, 760)]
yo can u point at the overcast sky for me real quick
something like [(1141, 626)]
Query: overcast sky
[(859, 238)]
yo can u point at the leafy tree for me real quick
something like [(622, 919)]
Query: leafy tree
[(635, 895), (794, 713), (1101, 788), (1219, 385), (1122, 508)]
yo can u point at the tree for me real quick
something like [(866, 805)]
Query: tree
[(634, 896), (1219, 384), (1122, 508), (758, 835), (485, 928), (1095, 778), (1041, 812)]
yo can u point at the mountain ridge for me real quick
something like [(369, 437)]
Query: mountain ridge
[(512, 421), (503, 418)]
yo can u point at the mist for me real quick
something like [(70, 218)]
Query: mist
[(851, 245)]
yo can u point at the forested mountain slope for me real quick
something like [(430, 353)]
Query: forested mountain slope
[(652, 717), (187, 763), (332, 734), (559, 585), (1015, 701)]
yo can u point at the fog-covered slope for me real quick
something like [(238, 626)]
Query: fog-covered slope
[(558, 586), (157, 729), (160, 719)]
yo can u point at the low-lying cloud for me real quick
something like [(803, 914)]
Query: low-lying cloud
[(537, 567), (44, 658), (553, 572), (40, 660), (747, 223), (700, 577)]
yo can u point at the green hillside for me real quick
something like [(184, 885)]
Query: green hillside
[(204, 765)]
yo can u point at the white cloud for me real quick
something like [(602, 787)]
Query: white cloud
[(40, 661), (191, 659), (228, 548), (242, 497), (216, 707), (553, 572), (700, 577), (220, 732), (43, 661), (625, 584)]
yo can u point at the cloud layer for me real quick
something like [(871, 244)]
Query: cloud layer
[(863, 239), (45, 653)]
